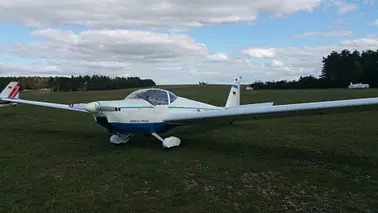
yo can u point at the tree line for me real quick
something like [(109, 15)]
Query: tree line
[(339, 69), (77, 83)]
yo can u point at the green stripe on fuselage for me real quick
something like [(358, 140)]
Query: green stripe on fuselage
[(184, 107), (175, 107), (136, 107)]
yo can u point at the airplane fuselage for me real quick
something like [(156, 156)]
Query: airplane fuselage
[(139, 116)]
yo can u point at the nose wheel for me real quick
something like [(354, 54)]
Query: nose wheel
[(168, 142), (120, 138)]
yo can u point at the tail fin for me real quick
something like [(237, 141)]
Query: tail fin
[(11, 90), (233, 99)]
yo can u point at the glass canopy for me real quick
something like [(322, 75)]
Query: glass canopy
[(154, 96)]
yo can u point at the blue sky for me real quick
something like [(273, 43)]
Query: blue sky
[(137, 44)]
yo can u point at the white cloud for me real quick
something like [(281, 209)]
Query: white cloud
[(348, 19), (171, 14), (165, 58), (114, 53), (369, 1), (345, 7), (115, 45), (374, 23), (325, 34), (317, 51), (277, 63), (293, 62), (218, 57), (366, 43), (260, 52), (30, 69)]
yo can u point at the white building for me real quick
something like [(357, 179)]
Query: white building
[(249, 88)]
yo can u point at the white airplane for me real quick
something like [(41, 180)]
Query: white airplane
[(153, 111)]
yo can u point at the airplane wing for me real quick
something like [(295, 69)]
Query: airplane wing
[(11, 93), (264, 104), (287, 110)]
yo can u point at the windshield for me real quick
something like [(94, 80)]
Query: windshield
[(153, 96)]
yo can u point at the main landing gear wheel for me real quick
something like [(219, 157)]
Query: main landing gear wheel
[(120, 138), (168, 142)]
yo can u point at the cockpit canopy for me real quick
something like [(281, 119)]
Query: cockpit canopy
[(154, 96)]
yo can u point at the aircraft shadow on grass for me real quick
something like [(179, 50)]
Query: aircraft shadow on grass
[(297, 155), (78, 134)]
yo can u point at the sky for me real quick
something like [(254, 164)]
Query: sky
[(181, 41)]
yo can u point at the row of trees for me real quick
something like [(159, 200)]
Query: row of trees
[(339, 69), (76, 83)]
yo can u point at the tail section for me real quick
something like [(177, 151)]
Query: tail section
[(233, 99), (12, 90)]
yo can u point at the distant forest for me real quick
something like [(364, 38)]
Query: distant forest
[(339, 69), (66, 84)]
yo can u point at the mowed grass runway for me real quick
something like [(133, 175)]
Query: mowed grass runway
[(60, 161)]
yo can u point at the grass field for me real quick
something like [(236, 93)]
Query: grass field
[(61, 161)]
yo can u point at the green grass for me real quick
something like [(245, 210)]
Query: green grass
[(61, 161)]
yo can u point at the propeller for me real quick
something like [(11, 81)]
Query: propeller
[(94, 107)]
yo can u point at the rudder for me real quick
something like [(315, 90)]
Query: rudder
[(11, 90), (233, 99)]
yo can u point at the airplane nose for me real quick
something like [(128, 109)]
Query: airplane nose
[(92, 107)]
